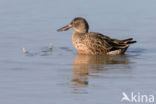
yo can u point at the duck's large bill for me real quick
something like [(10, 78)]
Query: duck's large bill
[(65, 28)]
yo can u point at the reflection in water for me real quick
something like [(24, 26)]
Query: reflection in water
[(83, 65)]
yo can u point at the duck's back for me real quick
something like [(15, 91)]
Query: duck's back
[(96, 43)]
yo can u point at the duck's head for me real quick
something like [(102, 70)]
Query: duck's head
[(79, 24)]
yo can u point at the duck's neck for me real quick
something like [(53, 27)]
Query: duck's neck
[(82, 31)]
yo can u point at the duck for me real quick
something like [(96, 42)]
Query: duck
[(94, 43)]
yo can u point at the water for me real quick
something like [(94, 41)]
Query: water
[(60, 75)]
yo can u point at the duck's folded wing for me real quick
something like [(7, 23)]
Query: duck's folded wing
[(115, 43), (96, 43)]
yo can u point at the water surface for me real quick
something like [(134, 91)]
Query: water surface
[(61, 75)]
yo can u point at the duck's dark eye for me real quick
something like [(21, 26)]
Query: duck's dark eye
[(77, 23)]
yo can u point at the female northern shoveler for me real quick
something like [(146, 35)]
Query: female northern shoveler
[(94, 43)]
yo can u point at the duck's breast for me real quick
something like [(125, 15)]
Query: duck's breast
[(77, 40)]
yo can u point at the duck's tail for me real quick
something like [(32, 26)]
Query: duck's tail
[(128, 41), (120, 44)]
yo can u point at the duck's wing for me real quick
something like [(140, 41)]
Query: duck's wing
[(103, 44), (96, 42)]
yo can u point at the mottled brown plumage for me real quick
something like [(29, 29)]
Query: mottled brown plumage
[(94, 43)]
